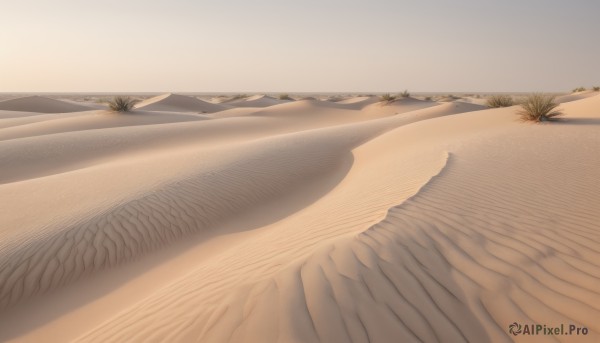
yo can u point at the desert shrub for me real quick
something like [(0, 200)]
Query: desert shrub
[(427, 98), (284, 97), (387, 97), (121, 104), (578, 89), (499, 101), (239, 96), (538, 108), (596, 89), (405, 94)]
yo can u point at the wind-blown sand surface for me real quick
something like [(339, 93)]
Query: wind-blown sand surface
[(179, 103), (256, 101), (300, 221), (40, 104)]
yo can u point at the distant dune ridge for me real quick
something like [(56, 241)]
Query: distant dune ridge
[(298, 221), (40, 104), (178, 103), (257, 101)]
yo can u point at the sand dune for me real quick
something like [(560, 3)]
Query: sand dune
[(360, 101), (40, 104), (355, 221), (257, 101), (401, 105), (52, 124), (179, 103), (334, 137), (576, 96)]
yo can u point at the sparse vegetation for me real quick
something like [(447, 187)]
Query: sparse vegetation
[(239, 96), (596, 89), (579, 89), (121, 104), (427, 98), (387, 97), (499, 101), (405, 94), (538, 108), (284, 97)]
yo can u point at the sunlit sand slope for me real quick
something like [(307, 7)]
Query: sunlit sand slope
[(494, 237), (179, 103), (41, 105), (360, 223)]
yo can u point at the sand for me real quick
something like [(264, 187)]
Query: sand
[(256, 101), (299, 221), (40, 104), (179, 103)]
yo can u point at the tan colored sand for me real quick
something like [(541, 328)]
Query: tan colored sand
[(303, 221), (179, 103), (256, 101), (40, 104)]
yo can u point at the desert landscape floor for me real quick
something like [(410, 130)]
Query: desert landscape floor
[(263, 220)]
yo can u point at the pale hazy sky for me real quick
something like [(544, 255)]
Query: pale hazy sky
[(269, 45)]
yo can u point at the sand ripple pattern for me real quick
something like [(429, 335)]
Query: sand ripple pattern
[(495, 238), (60, 255)]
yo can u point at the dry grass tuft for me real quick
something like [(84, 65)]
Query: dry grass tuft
[(387, 97), (496, 101), (284, 97), (579, 89), (539, 108), (239, 96), (405, 94), (121, 104)]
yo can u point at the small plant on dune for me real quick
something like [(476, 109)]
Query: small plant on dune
[(596, 89), (121, 104), (284, 97), (499, 101), (405, 94), (239, 96), (579, 89), (539, 108), (387, 97), (427, 98)]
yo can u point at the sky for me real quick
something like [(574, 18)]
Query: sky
[(298, 46)]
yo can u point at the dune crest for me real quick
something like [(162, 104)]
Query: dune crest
[(41, 104), (179, 103), (257, 101)]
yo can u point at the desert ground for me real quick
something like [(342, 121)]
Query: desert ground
[(310, 218)]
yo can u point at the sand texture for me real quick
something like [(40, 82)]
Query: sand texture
[(40, 104), (267, 220)]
